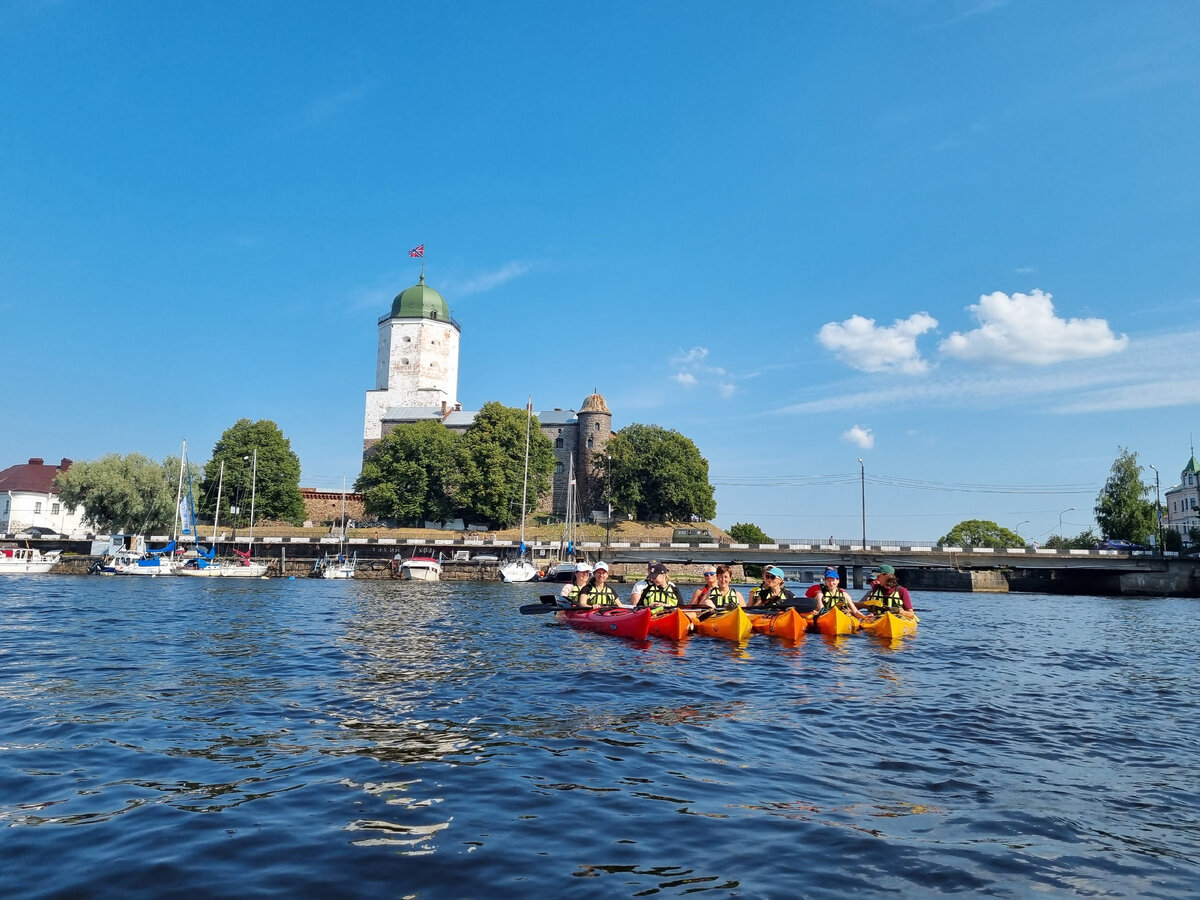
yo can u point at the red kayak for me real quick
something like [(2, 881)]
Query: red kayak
[(615, 620)]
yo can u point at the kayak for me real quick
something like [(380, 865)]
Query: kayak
[(615, 620), (733, 625), (835, 622), (788, 624), (673, 625), (889, 625)]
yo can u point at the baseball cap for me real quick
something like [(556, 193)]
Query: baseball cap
[(885, 569), (601, 565), (773, 571), (656, 569), (582, 567), (832, 573)]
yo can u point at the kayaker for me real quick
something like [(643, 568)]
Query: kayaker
[(640, 586), (710, 582), (831, 594), (660, 594), (597, 592), (583, 572), (886, 594), (772, 592), (720, 595)]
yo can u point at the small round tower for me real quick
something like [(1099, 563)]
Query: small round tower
[(595, 431)]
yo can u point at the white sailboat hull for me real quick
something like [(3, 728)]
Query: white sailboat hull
[(338, 570), (221, 570), (518, 570)]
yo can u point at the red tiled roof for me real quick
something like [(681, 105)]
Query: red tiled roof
[(34, 477)]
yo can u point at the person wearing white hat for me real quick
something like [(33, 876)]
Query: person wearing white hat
[(583, 572), (597, 592)]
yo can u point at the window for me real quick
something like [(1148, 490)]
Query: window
[(37, 507), (597, 426), (54, 509), (589, 443), (558, 468), (404, 362), (558, 443), (5, 506)]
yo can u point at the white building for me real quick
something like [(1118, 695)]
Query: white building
[(1183, 501), (28, 499)]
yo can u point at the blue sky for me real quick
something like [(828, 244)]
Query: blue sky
[(957, 240)]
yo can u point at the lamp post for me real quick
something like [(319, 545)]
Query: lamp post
[(862, 477), (608, 492), (1060, 515), (1019, 524), (1158, 512)]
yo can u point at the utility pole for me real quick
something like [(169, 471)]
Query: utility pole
[(862, 474), (1158, 512)]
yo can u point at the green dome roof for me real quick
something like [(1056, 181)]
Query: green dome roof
[(420, 302)]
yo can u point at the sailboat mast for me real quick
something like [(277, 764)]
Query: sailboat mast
[(253, 484), (525, 482), (217, 511), (342, 542), (179, 491)]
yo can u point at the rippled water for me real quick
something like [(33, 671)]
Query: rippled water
[(173, 737)]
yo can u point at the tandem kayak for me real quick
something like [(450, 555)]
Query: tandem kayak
[(789, 624), (891, 626), (733, 625), (835, 621), (615, 620), (673, 625)]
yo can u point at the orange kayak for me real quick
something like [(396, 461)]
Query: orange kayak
[(889, 625), (836, 622), (788, 624), (734, 625), (673, 625)]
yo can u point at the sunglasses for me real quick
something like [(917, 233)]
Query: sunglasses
[(706, 574)]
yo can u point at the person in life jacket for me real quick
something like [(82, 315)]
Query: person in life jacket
[(710, 581), (886, 595), (597, 592), (772, 593), (660, 594), (570, 592), (720, 595), (831, 595)]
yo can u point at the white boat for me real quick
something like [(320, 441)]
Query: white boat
[(204, 566), (142, 561), (522, 569), (27, 560), (421, 568), (343, 567)]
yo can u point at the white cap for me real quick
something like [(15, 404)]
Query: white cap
[(601, 565), (582, 567)]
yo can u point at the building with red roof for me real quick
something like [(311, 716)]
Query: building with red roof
[(28, 499)]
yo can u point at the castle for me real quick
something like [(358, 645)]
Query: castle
[(416, 378)]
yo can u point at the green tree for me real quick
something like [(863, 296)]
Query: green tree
[(1123, 510), (980, 533), (1194, 536), (1172, 540), (1085, 540), (277, 485), (491, 463), (658, 474), (412, 473), (749, 533), (130, 494)]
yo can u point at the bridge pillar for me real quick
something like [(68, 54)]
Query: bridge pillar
[(858, 578)]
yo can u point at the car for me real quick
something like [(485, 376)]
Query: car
[(1118, 544), (39, 531)]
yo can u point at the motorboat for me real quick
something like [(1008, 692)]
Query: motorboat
[(27, 560), (420, 568)]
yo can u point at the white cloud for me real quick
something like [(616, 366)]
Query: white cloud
[(726, 390), (685, 378), (490, 280), (689, 357), (860, 436), (1023, 328), (865, 346)]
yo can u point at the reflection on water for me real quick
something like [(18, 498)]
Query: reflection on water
[(392, 739)]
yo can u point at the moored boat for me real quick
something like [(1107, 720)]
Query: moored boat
[(734, 625), (789, 624), (27, 560), (835, 621), (674, 625), (421, 568), (618, 621), (889, 625)]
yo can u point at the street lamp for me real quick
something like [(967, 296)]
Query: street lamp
[(1019, 524), (862, 475), (608, 492), (1158, 511), (1060, 515)]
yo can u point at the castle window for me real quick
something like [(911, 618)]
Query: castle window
[(558, 443), (597, 426), (558, 468), (589, 443), (407, 339), (404, 362)]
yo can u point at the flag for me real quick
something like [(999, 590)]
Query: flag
[(185, 516), (419, 250)]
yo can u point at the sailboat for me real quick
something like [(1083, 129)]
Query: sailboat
[(521, 569), (141, 561), (205, 566), (565, 571), (343, 567)]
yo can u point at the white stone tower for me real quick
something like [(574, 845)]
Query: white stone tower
[(416, 365)]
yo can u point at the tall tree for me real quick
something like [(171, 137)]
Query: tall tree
[(657, 473), (749, 533), (412, 473), (1123, 508), (277, 486), (980, 533), (492, 464), (130, 494)]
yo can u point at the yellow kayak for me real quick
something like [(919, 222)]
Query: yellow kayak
[(734, 625), (835, 621), (889, 625)]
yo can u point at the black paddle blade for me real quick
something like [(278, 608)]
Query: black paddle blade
[(536, 609)]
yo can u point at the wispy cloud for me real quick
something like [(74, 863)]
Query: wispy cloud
[(863, 345), (859, 436), (488, 281), (1024, 329), (692, 369)]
